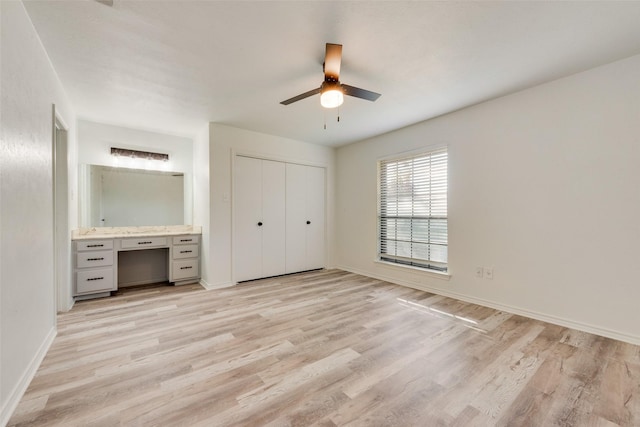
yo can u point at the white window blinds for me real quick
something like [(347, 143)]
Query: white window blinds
[(413, 210)]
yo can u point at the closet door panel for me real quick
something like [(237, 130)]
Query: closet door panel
[(274, 218), (248, 213), (315, 241), (296, 218), (279, 218)]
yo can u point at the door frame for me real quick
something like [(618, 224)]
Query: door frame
[(60, 220)]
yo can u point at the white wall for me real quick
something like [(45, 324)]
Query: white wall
[(27, 298), (66, 184), (226, 140), (96, 139), (544, 188), (201, 212)]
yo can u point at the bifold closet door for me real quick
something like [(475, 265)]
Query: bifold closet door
[(315, 214), (259, 218), (273, 218), (305, 218)]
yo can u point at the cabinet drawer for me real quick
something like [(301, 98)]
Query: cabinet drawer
[(144, 242), (94, 259), (93, 245), (185, 240), (185, 251), (93, 281), (185, 269)]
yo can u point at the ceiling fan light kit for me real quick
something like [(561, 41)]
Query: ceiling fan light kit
[(331, 90), (331, 95)]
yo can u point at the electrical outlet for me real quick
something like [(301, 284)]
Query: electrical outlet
[(479, 272), (488, 273)]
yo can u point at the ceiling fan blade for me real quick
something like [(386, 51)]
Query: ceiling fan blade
[(360, 93), (301, 96), (332, 60)]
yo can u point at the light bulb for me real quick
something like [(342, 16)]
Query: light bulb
[(331, 98)]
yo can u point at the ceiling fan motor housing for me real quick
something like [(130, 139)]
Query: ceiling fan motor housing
[(330, 84)]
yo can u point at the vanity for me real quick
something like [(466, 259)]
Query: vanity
[(104, 257)]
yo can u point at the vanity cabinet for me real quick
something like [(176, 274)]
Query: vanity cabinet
[(96, 261), (185, 259), (94, 267)]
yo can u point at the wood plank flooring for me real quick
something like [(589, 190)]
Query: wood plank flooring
[(325, 348)]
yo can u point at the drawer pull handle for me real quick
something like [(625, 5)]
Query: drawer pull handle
[(95, 259), (95, 278), (144, 243), (185, 252), (95, 246), (186, 240), (185, 268)]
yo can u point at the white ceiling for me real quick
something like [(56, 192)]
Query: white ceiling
[(173, 66)]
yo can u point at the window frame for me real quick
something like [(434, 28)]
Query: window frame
[(412, 154)]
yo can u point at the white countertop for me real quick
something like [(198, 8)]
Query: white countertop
[(144, 231)]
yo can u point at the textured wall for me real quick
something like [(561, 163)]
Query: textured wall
[(27, 296)]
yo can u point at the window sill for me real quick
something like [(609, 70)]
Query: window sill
[(432, 273)]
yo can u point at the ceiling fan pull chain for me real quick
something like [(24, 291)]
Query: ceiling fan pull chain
[(324, 114), (338, 114)]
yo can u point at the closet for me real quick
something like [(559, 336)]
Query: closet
[(279, 218)]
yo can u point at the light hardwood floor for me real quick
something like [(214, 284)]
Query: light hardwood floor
[(324, 349)]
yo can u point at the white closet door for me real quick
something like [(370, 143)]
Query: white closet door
[(278, 218), (296, 218), (305, 218), (273, 218), (315, 216), (247, 215)]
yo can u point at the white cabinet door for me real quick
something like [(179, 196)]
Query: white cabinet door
[(259, 218), (273, 218), (305, 217), (247, 215)]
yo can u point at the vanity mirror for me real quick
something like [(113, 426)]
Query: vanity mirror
[(120, 197)]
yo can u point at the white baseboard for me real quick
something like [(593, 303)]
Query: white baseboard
[(68, 306), (560, 321), (10, 405), (209, 286)]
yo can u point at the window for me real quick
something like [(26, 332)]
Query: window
[(413, 210)]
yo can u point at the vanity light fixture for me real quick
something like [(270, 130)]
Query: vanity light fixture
[(124, 152)]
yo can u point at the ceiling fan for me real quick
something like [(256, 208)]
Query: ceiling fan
[(331, 90)]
